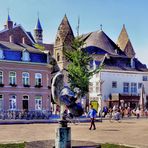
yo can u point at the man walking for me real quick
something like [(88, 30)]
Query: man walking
[(92, 114)]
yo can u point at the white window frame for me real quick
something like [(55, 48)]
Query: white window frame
[(1, 77), (12, 102), (125, 87), (38, 79), (12, 79), (1, 102), (25, 56), (133, 88), (38, 102), (26, 79)]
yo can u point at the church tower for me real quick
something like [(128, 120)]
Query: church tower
[(9, 23), (38, 32), (63, 40), (125, 44)]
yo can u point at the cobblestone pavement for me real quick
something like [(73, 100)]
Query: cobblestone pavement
[(129, 132)]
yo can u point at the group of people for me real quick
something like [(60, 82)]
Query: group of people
[(120, 112)]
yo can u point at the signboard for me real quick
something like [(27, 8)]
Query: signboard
[(115, 97), (94, 104)]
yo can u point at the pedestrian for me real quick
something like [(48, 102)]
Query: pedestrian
[(138, 113), (92, 114)]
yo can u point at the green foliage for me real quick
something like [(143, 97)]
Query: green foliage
[(79, 73), (39, 46), (18, 145), (113, 146)]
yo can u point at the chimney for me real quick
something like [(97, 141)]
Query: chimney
[(23, 40), (11, 40)]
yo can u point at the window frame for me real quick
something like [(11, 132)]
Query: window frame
[(114, 82), (128, 87), (38, 80), (38, 102), (14, 107), (2, 102), (133, 88), (26, 80), (1, 78), (11, 77)]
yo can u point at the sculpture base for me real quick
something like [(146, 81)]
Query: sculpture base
[(63, 137)]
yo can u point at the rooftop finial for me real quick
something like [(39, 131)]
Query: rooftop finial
[(101, 26), (9, 19)]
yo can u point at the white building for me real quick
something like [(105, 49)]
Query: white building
[(122, 75)]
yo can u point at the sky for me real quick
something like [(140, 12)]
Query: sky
[(112, 14)]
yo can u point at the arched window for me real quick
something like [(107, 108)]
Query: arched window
[(58, 57), (1, 54), (12, 102), (25, 78), (38, 79), (25, 55)]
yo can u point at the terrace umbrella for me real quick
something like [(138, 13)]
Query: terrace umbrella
[(142, 98)]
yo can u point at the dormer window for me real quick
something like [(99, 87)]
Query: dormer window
[(1, 54), (25, 56)]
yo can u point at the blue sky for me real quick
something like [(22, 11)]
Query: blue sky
[(112, 14)]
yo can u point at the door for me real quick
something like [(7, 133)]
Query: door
[(25, 104)]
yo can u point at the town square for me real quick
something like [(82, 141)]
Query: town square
[(73, 74)]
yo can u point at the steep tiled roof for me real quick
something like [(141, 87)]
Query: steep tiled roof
[(19, 47), (99, 42), (125, 44), (64, 29)]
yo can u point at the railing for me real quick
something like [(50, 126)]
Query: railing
[(28, 115)]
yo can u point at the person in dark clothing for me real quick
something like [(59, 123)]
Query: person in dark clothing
[(92, 114)]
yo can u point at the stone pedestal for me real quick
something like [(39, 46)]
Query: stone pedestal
[(63, 136)]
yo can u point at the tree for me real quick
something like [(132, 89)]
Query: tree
[(79, 73)]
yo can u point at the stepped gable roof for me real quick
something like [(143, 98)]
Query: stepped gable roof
[(99, 42), (64, 29), (125, 44), (38, 25)]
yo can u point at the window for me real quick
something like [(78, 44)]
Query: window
[(145, 78), (25, 76), (97, 87), (25, 56), (1, 54), (1, 77), (114, 84), (139, 85), (38, 103), (25, 97), (12, 78), (1, 102), (12, 102), (58, 57), (133, 88), (38, 79), (90, 87), (126, 87)]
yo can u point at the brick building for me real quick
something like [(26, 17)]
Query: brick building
[(25, 72)]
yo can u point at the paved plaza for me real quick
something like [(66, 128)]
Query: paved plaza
[(132, 132)]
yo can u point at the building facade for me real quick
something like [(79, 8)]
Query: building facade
[(25, 72)]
